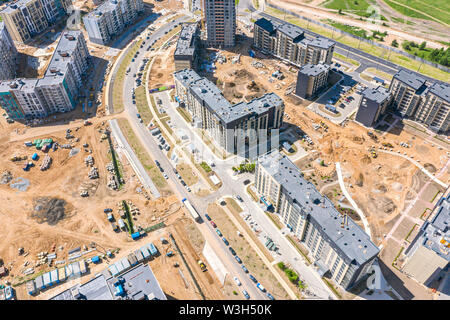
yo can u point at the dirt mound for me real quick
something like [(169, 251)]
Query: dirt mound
[(366, 159), (49, 210), (397, 186), (430, 167), (381, 187), (385, 204), (6, 177), (360, 180), (358, 140), (243, 74)]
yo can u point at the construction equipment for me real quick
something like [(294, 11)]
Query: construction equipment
[(202, 265)]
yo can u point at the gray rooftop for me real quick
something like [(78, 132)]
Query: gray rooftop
[(291, 31), (379, 94), (314, 69), (436, 235), (139, 282), (351, 239), (319, 42), (186, 76), (186, 40), (15, 6), (441, 90), (105, 7), (409, 78)]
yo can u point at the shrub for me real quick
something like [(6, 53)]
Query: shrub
[(281, 265)]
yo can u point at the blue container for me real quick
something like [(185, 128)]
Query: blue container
[(34, 156), (95, 259), (135, 235)]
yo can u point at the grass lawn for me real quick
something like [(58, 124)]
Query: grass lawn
[(142, 105), (120, 77), (344, 58), (438, 9), (381, 74), (233, 205), (187, 174), (143, 156)]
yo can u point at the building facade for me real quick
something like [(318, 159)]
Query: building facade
[(311, 79), (25, 19), (186, 52), (428, 255), (58, 90), (373, 105), (339, 247), (220, 18), (8, 54), (288, 42), (232, 127), (111, 18), (427, 103)]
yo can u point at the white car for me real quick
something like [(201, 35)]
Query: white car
[(236, 279), (166, 176)]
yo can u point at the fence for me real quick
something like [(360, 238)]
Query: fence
[(371, 42)]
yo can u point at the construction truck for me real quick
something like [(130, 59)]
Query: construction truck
[(372, 136), (87, 122), (202, 265)]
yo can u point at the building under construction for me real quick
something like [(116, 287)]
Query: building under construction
[(340, 249), (220, 16)]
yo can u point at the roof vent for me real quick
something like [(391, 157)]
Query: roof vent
[(70, 37), (64, 54), (54, 70)]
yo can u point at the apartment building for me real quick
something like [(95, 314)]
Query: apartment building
[(427, 103), (25, 19), (57, 91), (311, 79), (288, 42), (428, 255), (340, 249), (111, 18), (220, 18), (8, 54), (232, 127), (373, 105), (186, 52), (434, 110)]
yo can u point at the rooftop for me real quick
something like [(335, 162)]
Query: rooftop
[(105, 7), (411, 79), (441, 90), (350, 239), (291, 31), (265, 24), (186, 40), (15, 5), (314, 69), (138, 283), (379, 94)]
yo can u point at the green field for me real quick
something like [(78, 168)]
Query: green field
[(358, 7), (438, 9)]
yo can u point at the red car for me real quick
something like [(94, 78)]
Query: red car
[(213, 224)]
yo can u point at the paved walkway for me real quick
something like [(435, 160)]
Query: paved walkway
[(352, 202)]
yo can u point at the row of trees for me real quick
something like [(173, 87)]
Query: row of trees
[(441, 56)]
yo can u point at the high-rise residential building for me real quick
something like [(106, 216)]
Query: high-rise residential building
[(57, 91), (232, 127), (434, 110), (288, 42), (428, 255), (220, 18), (311, 79), (8, 54), (427, 103), (340, 249), (186, 52), (373, 105), (111, 18), (25, 19)]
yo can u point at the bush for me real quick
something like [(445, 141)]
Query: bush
[(235, 293), (394, 43), (281, 265)]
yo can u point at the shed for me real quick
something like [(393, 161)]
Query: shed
[(61, 274), (31, 287), (139, 256), (125, 263), (133, 260), (69, 271), (113, 269), (95, 259), (54, 276), (46, 278), (39, 283), (119, 266), (34, 156), (145, 252), (76, 269), (82, 267)]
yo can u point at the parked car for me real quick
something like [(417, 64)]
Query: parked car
[(260, 287), (238, 259), (225, 241), (252, 278), (239, 198), (237, 281), (107, 210), (208, 217), (175, 171), (188, 189), (165, 176), (213, 224), (246, 295), (232, 251), (218, 232), (157, 163), (244, 268), (270, 296), (161, 169)]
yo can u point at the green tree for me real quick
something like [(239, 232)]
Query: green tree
[(394, 43), (423, 45), (340, 11)]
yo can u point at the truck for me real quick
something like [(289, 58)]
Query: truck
[(169, 254), (29, 144), (152, 249), (27, 166), (110, 217), (138, 115), (260, 287), (191, 210), (121, 224)]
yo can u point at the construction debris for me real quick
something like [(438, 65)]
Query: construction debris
[(6, 177), (236, 59), (112, 183), (66, 146), (73, 152), (46, 163), (258, 64), (93, 173), (89, 160), (50, 210)]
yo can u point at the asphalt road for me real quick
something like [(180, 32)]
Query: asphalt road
[(150, 143)]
